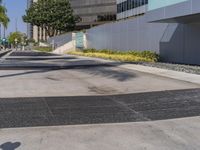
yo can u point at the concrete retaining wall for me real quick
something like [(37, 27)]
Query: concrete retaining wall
[(60, 40)]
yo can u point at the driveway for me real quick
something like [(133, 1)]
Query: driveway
[(33, 74), (67, 102)]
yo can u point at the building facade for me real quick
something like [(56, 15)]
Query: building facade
[(91, 12), (94, 12), (131, 8), (171, 28)]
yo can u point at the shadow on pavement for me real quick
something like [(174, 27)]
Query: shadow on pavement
[(74, 110), (10, 146), (23, 65), (92, 67), (120, 74), (23, 73), (103, 70)]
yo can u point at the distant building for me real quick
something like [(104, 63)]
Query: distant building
[(29, 26), (34, 32), (91, 12)]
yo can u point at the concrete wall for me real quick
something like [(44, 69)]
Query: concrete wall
[(67, 42), (70, 46), (131, 34), (61, 39), (178, 43), (181, 44)]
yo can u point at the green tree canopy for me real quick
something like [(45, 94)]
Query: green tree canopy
[(15, 38), (53, 15)]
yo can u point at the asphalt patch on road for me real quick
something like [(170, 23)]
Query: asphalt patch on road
[(52, 111), (53, 67)]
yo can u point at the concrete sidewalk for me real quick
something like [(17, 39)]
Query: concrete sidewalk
[(188, 77), (178, 134)]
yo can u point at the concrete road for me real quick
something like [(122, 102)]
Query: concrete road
[(45, 94), (179, 134), (29, 74)]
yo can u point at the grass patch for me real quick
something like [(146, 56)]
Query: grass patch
[(128, 56), (43, 49)]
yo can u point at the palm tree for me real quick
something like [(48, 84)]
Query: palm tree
[(4, 20)]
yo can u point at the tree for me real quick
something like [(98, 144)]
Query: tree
[(3, 15), (54, 16), (16, 38)]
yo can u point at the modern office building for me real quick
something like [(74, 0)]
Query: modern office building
[(168, 27), (91, 12), (130, 8)]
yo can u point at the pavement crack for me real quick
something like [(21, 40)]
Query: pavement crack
[(49, 109)]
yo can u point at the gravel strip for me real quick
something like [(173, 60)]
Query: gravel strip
[(176, 67)]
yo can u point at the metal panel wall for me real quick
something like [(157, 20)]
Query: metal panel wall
[(177, 43), (131, 34), (183, 46)]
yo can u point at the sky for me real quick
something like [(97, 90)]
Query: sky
[(16, 9)]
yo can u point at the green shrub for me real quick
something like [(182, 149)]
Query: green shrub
[(43, 49), (129, 56)]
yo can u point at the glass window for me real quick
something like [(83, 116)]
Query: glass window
[(130, 4)]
